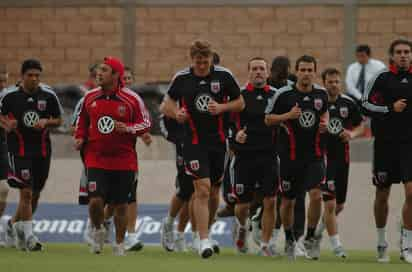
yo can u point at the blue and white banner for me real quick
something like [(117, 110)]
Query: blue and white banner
[(65, 223)]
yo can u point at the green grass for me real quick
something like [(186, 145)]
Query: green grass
[(76, 258)]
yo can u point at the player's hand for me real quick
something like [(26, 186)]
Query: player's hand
[(181, 116), (294, 113), (120, 127), (323, 125), (147, 138), (215, 108), (346, 136), (9, 124), (241, 136), (399, 105), (41, 124), (78, 143)]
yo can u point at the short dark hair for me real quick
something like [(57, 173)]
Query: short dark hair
[(363, 48), (280, 63), (329, 71), (255, 58), (305, 58), (216, 58), (398, 42), (30, 64)]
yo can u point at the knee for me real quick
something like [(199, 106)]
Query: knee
[(202, 191), (95, 203), (287, 204), (269, 203), (121, 210), (330, 207), (315, 195)]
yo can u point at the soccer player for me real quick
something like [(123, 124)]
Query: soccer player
[(110, 120), (255, 157), (345, 124), (28, 111), (301, 148), (386, 100), (205, 93)]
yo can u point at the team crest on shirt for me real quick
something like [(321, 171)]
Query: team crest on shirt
[(122, 110), (41, 105), (240, 189), (344, 112), (331, 185), (92, 186), (286, 185), (215, 86), (25, 174), (317, 103), (194, 165)]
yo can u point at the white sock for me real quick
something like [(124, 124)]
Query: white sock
[(27, 228), (170, 220), (180, 235), (381, 236), (407, 242), (195, 235), (335, 241), (275, 235), (263, 244), (320, 229)]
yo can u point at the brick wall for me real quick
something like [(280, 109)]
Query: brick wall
[(67, 40)]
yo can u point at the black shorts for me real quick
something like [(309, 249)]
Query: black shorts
[(391, 163), (133, 193), (28, 172), (255, 172), (336, 185), (202, 162), (298, 177), (228, 183), (114, 186), (183, 182), (4, 164)]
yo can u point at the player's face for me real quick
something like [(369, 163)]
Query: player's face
[(258, 73), (128, 78), (201, 65), (3, 80), (105, 76), (306, 73), (333, 84), (362, 57), (31, 79), (402, 56)]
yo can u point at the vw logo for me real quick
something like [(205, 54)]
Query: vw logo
[(105, 124), (31, 118), (307, 119), (335, 126), (201, 102)]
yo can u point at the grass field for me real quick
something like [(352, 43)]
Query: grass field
[(76, 258)]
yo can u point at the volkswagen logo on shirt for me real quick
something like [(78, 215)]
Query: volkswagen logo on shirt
[(105, 124), (307, 119), (201, 102), (30, 118), (335, 126)]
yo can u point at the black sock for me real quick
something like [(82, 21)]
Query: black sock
[(289, 235), (310, 233)]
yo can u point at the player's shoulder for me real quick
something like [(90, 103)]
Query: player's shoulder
[(347, 99), (285, 90), (10, 91), (130, 94), (223, 71), (183, 73)]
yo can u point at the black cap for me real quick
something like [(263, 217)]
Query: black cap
[(30, 64)]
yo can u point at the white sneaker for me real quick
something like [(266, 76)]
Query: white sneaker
[(131, 243), (300, 250), (108, 225), (205, 249), (310, 247), (33, 244), (98, 240), (215, 244), (195, 242), (407, 255), (119, 250), (340, 252), (20, 239), (167, 235), (241, 240), (87, 234), (180, 243), (290, 250), (382, 254), (10, 235)]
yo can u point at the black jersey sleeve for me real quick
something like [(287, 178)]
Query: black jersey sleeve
[(5, 105), (175, 87), (355, 114), (54, 107), (373, 99), (232, 87)]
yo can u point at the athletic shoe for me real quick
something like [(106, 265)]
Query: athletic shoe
[(167, 235), (119, 250), (131, 243), (311, 252), (316, 246), (87, 234), (98, 240), (205, 249), (241, 240), (300, 250), (256, 232), (195, 242), (33, 244), (215, 246), (407, 255), (108, 225), (382, 254), (180, 243), (10, 235), (20, 238), (340, 252), (290, 250)]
